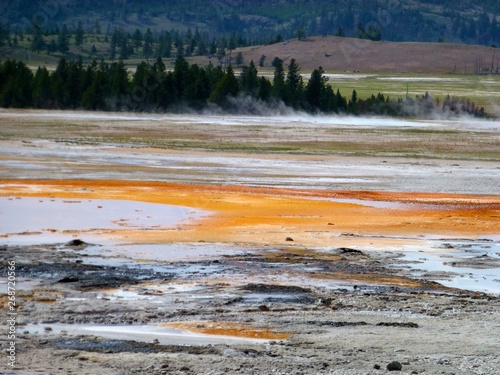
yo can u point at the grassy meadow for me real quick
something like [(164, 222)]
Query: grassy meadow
[(482, 90)]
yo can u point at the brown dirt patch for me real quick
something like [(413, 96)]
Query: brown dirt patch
[(349, 54)]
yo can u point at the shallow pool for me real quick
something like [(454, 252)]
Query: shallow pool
[(26, 220)]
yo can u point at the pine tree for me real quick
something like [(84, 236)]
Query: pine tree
[(125, 49), (164, 46), (119, 79), (4, 35), (353, 103), (227, 87), (147, 48), (181, 75), (59, 78), (16, 85), (73, 83), (314, 88), (214, 75), (294, 85), (341, 101), (63, 40), (265, 89), (300, 33), (115, 42), (94, 96), (359, 31), (198, 90), (137, 38), (37, 43), (239, 59), (42, 89), (51, 47), (79, 35), (262, 59), (279, 79), (249, 80)]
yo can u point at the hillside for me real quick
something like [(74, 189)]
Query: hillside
[(349, 54), (264, 21)]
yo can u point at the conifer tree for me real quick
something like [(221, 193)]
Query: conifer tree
[(226, 88), (79, 35), (265, 89), (147, 48), (239, 59), (181, 75), (16, 85), (279, 79), (119, 80), (294, 85), (4, 35), (198, 90), (314, 88), (262, 59), (63, 40), (37, 44), (249, 80), (42, 89), (137, 38)]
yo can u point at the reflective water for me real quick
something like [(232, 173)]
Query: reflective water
[(45, 220), (455, 267), (143, 333)]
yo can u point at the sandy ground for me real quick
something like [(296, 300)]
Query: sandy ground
[(275, 275)]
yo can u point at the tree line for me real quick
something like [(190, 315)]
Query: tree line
[(264, 21), (109, 86)]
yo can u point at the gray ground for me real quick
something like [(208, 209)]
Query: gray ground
[(347, 330), (343, 327)]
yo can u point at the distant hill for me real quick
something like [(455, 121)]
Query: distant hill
[(349, 54), (264, 21)]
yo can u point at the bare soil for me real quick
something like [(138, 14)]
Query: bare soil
[(359, 55)]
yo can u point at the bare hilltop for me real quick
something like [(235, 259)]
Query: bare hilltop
[(352, 55)]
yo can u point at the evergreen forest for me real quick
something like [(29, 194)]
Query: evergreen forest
[(188, 87)]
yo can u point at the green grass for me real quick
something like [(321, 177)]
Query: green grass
[(484, 91)]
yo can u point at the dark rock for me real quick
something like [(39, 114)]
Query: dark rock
[(272, 288), (263, 308), (376, 367), (76, 242), (68, 279), (406, 325), (348, 251), (290, 239), (234, 300), (338, 324), (394, 366)]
